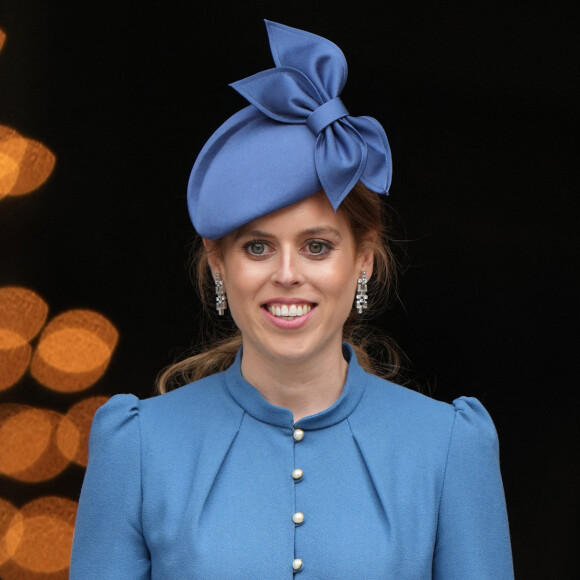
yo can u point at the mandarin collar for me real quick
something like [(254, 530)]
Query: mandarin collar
[(252, 401)]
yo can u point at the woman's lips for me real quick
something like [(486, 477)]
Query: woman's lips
[(289, 310), (289, 315)]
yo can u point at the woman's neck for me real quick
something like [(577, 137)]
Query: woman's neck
[(305, 386)]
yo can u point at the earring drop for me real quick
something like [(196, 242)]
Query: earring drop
[(221, 302), (361, 293)]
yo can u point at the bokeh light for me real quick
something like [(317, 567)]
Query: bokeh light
[(40, 540), (11, 529), (29, 449), (71, 354), (13, 363), (25, 164), (74, 351), (22, 315)]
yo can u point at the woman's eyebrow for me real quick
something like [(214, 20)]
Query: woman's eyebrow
[(322, 230), (254, 233)]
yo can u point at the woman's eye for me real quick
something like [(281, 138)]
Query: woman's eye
[(256, 248), (318, 247)]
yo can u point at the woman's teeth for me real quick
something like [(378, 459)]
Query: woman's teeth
[(289, 310)]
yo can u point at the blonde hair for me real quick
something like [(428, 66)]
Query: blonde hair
[(375, 352)]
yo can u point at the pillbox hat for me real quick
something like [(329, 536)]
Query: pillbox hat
[(295, 138)]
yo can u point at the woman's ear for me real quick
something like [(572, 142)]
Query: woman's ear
[(366, 255), (367, 264), (214, 258)]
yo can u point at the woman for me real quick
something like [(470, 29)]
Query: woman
[(293, 459)]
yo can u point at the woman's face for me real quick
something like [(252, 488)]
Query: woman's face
[(290, 279)]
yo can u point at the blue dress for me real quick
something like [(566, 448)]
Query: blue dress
[(212, 482)]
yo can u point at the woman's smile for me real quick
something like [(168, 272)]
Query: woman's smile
[(288, 311), (289, 315)]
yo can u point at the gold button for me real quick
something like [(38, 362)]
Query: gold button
[(297, 564), (298, 434), (298, 518), (297, 474)]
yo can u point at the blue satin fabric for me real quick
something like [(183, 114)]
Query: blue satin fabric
[(296, 138), (196, 484)]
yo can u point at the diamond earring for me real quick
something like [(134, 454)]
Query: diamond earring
[(361, 293), (221, 302)]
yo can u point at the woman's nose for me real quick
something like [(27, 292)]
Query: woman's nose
[(287, 271)]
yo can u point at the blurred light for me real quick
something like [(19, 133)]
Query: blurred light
[(45, 539), (24, 435), (10, 530), (68, 437), (74, 351), (25, 164), (2, 38), (29, 450), (21, 311), (13, 364), (22, 314)]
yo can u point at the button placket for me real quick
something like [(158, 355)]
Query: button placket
[(298, 517)]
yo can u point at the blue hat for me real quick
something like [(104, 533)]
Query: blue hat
[(294, 139)]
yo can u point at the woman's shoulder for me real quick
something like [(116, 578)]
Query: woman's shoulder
[(405, 400), (204, 401), (412, 411)]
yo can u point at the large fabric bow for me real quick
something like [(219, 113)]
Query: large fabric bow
[(304, 88)]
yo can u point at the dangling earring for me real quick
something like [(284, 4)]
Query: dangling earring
[(361, 293), (221, 302)]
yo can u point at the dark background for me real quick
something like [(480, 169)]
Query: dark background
[(480, 104)]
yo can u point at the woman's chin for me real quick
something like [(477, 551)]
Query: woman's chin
[(294, 348)]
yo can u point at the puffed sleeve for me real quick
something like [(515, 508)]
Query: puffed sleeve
[(472, 535), (108, 540)]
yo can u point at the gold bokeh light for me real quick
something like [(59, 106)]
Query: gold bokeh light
[(22, 315), (22, 312), (38, 539), (74, 351), (70, 355), (11, 528), (29, 446), (25, 164), (24, 434), (13, 364)]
